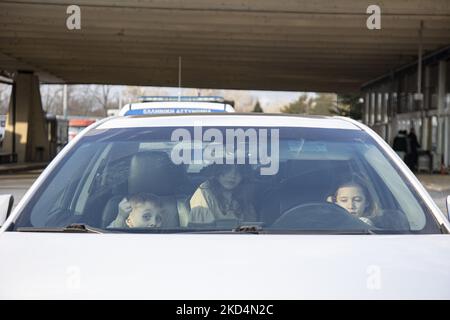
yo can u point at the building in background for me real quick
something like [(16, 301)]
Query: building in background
[(392, 103)]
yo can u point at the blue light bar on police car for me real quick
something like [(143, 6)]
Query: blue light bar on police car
[(182, 98), (170, 111)]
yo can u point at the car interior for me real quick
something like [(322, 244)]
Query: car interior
[(286, 200), (298, 182)]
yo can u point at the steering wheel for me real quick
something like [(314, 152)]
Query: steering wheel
[(318, 216)]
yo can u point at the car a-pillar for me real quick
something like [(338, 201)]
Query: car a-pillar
[(26, 137)]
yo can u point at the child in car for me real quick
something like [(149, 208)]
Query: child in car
[(224, 196), (354, 197), (142, 210)]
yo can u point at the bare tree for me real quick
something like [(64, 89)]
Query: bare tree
[(105, 96), (132, 93), (51, 96), (81, 100)]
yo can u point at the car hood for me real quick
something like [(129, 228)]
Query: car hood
[(199, 266)]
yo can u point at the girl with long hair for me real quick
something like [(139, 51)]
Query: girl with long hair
[(225, 195)]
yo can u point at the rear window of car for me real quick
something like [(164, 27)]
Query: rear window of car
[(189, 179)]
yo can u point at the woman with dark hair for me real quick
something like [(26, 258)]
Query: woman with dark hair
[(224, 196)]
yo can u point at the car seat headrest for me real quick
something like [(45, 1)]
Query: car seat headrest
[(153, 172)]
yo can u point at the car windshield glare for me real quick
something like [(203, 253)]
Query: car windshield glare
[(228, 179)]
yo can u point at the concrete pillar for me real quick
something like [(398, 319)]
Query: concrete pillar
[(447, 119), (426, 120), (31, 136), (391, 111), (394, 129), (424, 132), (367, 109), (372, 108), (430, 134), (442, 139), (447, 141)]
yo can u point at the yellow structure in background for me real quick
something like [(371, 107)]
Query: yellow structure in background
[(31, 143)]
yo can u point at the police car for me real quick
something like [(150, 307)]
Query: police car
[(177, 105), (322, 208)]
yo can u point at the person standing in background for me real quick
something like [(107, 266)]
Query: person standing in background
[(413, 150)]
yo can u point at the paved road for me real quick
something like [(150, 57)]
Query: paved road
[(17, 184), (440, 199)]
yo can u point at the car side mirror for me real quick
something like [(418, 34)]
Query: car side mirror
[(6, 204), (448, 207)]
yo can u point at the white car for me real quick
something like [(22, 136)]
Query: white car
[(225, 206), (176, 105)]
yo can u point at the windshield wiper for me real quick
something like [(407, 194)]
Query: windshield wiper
[(71, 228), (255, 229), (319, 231), (250, 229), (81, 227)]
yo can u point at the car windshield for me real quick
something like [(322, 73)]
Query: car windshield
[(199, 179)]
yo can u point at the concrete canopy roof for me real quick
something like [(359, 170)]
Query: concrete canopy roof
[(301, 45)]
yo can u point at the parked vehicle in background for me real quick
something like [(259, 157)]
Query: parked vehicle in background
[(58, 133), (77, 125), (177, 105)]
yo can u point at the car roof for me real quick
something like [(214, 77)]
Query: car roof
[(228, 119)]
